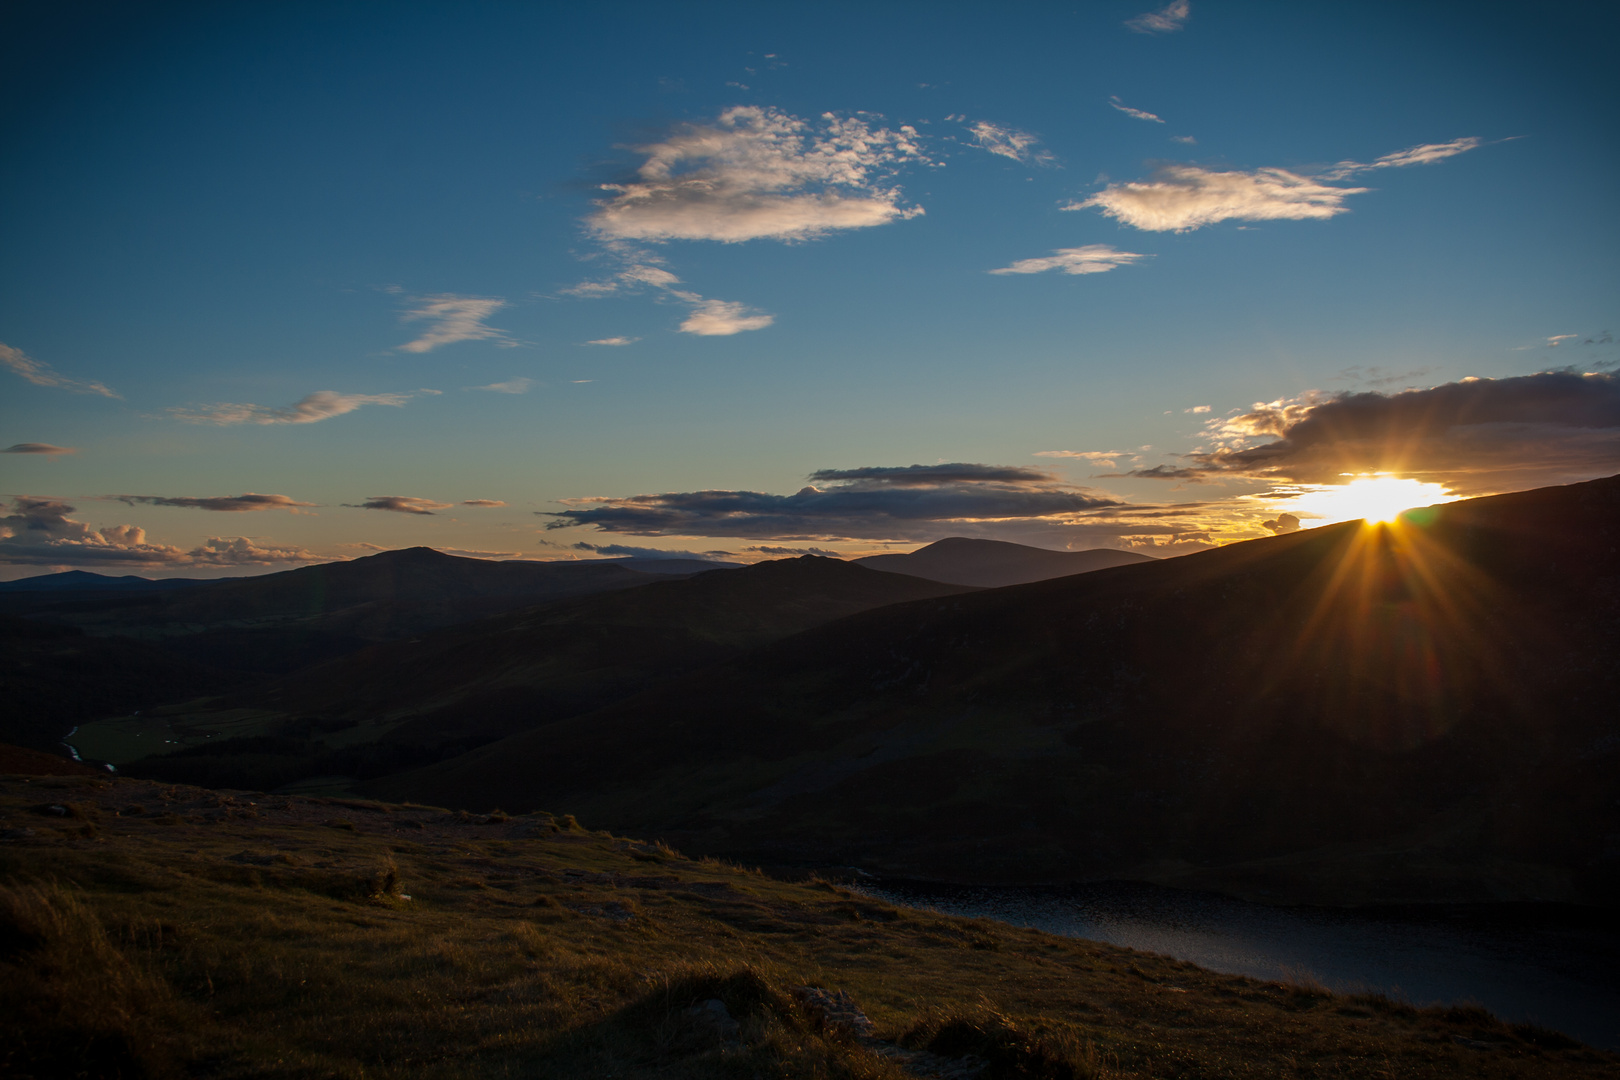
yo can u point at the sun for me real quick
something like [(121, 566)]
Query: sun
[(1373, 497)]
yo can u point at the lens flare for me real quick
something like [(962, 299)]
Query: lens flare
[(1373, 497)]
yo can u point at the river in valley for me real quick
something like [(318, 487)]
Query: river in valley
[(1552, 965)]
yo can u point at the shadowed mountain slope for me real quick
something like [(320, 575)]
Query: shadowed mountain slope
[(276, 623), (990, 564), (84, 581), (467, 685), (1350, 713)]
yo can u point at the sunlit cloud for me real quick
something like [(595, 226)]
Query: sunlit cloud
[(1184, 197), (1091, 259), (38, 448), (875, 502), (40, 373), (1009, 143), (321, 405), (519, 385), (221, 503), (720, 318), (1171, 17), (1372, 498), (400, 504), (39, 532), (1197, 409), (614, 341), (1558, 339), (453, 318), (1140, 114), (759, 173), (1476, 436), (1179, 198)]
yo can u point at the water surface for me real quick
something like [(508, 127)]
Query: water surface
[(1552, 965)]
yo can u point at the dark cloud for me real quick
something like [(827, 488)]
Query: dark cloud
[(1164, 472), (1474, 436), (482, 502), (794, 552), (223, 503), (400, 504), (38, 532), (876, 503), (1285, 523), (37, 448), (621, 551)]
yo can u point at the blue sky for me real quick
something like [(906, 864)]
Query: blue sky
[(356, 254)]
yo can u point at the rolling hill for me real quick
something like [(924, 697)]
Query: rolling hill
[(1350, 713), (396, 705), (990, 564)]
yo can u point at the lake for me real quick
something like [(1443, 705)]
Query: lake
[(1553, 965)]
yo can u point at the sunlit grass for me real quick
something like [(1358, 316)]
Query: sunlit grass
[(154, 931)]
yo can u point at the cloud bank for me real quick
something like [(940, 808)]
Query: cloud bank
[(40, 373), (1476, 436), (38, 532), (1091, 259), (452, 318), (871, 503), (321, 405), (223, 503), (759, 173)]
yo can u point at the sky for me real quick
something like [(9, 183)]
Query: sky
[(288, 283)]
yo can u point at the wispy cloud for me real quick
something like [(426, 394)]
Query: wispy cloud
[(223, 503), (1179, 198), (1140, 114), (40, 373), (1091, 259), (709, 318), (39, 532), (519, 385), (321, 405), (761, 173), (1171, 17), (721, 318), (482, 502), (794, 552), (1009, 143), (452, 318), (38, 448), (876, 502), (1102, 459), (1426, 154), (1196, 409), (400, 504), (1185, 140), (614, 341)]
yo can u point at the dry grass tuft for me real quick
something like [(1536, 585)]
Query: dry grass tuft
[(77, 1004)]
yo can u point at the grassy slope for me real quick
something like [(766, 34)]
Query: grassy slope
[(188, 931)]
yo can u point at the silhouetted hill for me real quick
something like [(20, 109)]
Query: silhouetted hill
[(991, 564), (395, 706), (280, 622), (1344, 714), (84, 581), (670, 566)]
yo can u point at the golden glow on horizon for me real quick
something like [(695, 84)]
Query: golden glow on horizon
[(1373, 497)]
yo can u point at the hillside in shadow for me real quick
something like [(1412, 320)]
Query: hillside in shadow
[(395, 706), (990, 564), (1416, 711)]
